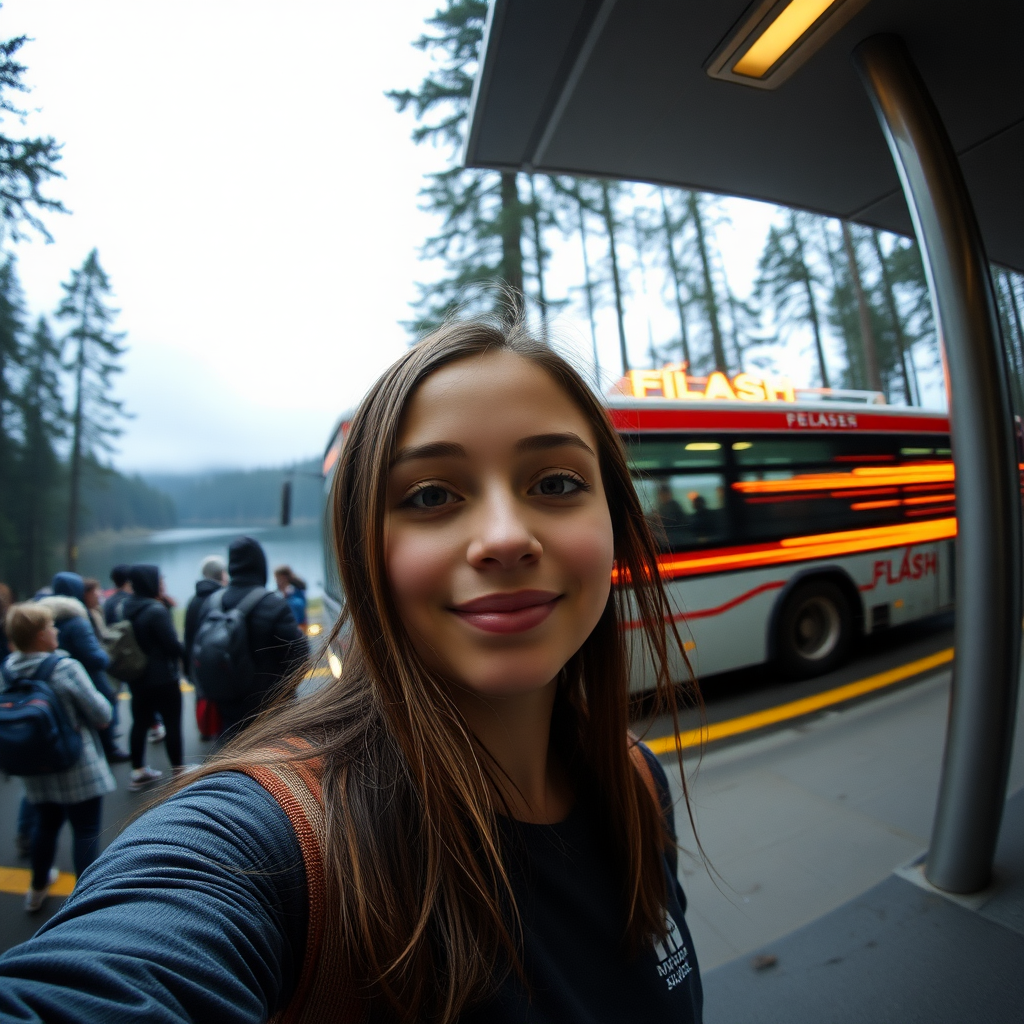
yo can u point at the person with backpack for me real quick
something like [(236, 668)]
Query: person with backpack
[(213, 575), (49, 713), (113, 604), (77, 636), (240, 660), (156, 690)]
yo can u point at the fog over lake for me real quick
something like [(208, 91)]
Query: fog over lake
[(179, 552)]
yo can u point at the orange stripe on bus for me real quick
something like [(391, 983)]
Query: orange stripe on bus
[(861, 476), (803, 549)]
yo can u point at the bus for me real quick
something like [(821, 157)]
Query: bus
[(789, 524)]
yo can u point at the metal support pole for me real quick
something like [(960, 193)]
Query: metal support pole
[(988, 549)]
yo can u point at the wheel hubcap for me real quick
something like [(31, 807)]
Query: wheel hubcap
[(817, 628)]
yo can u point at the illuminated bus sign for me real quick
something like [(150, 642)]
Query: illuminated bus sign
[(672, 381)]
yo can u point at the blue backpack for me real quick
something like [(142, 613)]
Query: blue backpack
[(36, 735)]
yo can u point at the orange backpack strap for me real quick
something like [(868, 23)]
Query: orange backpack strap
[(636, 755), (321, 995)]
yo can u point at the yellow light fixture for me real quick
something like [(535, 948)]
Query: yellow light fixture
[(703, 446), (775, 37)]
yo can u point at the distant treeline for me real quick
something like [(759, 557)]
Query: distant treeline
[(241, 497)]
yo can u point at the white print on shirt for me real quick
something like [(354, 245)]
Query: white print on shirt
[(673, 957)]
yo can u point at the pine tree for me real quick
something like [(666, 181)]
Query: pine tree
[(787, 282), (610, 191), (482, 214), (698, 213), (26, 164), (866, 314), (43, 421), (12, 326), (904, 358), (95, 351), (671, 228)]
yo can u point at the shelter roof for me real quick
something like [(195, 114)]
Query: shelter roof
[(618, 88)]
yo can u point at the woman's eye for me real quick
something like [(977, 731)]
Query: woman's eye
[(430, 497), (559, 486)]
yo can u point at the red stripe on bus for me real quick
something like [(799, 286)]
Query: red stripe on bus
[(707, 613), (730, 419)]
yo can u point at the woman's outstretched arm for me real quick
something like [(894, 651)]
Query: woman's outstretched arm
[(196, 912)]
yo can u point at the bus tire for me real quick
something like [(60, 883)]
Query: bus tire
[(815, 627)]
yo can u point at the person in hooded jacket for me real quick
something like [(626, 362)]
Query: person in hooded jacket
[(276, 643), (158, 689), (77, 635)]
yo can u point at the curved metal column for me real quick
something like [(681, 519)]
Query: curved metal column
[(988, 549)]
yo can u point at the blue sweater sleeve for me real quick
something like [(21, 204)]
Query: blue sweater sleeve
[(196, 912), (81, 643)]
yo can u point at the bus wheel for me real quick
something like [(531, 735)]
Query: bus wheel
[(815, 628)]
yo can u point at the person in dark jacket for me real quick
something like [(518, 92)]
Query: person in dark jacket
[(113, 604), (213, 574), (158, 689), (275, 640), (77, 635)]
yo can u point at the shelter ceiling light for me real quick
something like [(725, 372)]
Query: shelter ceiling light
[(775, 37)]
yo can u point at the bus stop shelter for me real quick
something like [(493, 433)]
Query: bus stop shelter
[(897, 114)]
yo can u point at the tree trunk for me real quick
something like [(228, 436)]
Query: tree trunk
[(867, 334), (76, 457), (894, 318), (589, 288), (812, 306), (710, 301), (684, 340), (609, 224), (539, 257), (511, 240), (643, 287), (736, 346)]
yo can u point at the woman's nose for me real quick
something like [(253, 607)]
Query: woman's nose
[(502, 536)]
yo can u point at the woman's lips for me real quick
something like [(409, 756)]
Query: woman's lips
[(508, 613)]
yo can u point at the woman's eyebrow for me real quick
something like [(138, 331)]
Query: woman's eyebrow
[(433, 450), (541, 442)]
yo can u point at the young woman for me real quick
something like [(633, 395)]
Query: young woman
[(459, 828)]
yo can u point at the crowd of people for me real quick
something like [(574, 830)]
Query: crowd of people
[(77, 647)]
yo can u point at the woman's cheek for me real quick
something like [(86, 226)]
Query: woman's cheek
[(416, 568), (587, 552)]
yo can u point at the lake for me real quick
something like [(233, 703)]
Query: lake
[(179, 553)]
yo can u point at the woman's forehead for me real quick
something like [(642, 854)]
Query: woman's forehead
[(498, 393)]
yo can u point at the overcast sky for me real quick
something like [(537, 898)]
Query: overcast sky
[(253, 196), (254, 199)]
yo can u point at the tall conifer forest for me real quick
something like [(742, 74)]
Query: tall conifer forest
[(58, 416)]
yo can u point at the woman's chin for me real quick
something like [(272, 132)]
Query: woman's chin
[(503, 682)]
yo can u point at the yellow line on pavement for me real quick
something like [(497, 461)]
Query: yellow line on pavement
[(798, 708), (16, 880)]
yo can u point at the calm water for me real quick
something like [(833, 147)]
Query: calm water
[(179, 553)]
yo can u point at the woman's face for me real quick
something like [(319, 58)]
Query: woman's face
[(498, 538)]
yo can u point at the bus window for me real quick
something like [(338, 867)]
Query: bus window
[(685, 510), (791, 486), (678, 453)]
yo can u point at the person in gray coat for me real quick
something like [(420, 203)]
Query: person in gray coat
[(75, 794)]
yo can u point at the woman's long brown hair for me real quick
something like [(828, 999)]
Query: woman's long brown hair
[(414, 855)]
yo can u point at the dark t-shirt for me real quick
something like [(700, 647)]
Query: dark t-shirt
[(572, 909)]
